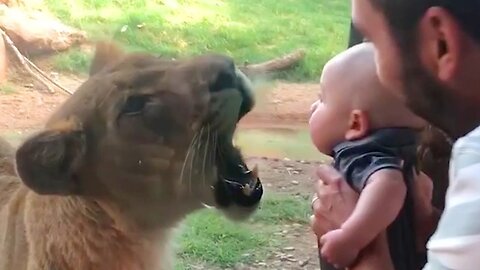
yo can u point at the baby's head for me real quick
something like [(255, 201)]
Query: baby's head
[(353, 103)]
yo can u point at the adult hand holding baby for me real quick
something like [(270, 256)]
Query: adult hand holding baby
[(333, 202)]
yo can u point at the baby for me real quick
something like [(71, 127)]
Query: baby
[(372, 137)]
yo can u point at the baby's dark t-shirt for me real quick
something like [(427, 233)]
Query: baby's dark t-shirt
[(388, 148)]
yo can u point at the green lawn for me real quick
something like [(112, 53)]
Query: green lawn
[(6, 88), (249, 30), (209, 238)]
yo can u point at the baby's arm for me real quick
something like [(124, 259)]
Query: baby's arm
[(378, 206)]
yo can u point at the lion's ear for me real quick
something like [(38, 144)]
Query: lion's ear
[(48, 162), (106, 53)]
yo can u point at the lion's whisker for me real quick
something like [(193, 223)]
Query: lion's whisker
[(196, 145), (215, 147), (189, 149), (185, 159), (204, 163)]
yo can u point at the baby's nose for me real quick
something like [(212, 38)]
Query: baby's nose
[(314, 106)]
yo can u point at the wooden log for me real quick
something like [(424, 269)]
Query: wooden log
[(3, 61), (35, 32), (26, 63), (274, 65), (22, 61), (11, 3)]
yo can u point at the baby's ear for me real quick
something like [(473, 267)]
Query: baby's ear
[(358, 125), (48, 161)]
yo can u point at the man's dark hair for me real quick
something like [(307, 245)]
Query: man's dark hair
[(403, 16)]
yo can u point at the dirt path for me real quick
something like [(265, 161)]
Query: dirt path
[(295, 179), (278, 104)]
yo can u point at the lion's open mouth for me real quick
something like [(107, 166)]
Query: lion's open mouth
[(236, 184)]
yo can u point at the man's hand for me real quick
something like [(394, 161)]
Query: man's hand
[(423, 195), (426, 216), (333, 202), (338, 249)]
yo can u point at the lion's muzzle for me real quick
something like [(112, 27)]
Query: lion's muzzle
[(232, 98)]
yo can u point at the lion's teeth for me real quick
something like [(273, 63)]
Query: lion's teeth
[(207, 206), (255, 172), (247, 190)]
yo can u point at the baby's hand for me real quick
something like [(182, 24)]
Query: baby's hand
[(338, 248)]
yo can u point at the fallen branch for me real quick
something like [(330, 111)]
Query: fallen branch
[(37, 33), (25, 62), (278, 64), (47, 77), (21, 58)]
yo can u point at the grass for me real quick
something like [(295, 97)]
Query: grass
[(75, 61), (249, 30), (6, 88), (208, 238), (283, 209)]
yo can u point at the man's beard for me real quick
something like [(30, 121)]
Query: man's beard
[(427, 97)]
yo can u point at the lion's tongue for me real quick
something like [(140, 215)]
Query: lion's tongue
[(245, 190)]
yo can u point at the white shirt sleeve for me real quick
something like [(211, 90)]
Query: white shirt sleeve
[(456, 242)]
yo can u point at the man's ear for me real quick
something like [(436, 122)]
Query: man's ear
[(442, 34), (48, 162), (358, 125)]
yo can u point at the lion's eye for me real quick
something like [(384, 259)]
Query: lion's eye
[(134, 105)]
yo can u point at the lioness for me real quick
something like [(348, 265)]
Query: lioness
[(141, 144)]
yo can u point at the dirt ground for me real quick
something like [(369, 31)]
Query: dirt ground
[(295, 179), (282, 104)]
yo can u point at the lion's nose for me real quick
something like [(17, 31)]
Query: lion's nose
[(227, 80), (226, 77)]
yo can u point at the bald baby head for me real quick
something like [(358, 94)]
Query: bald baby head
[(351, 79), (353, 103)]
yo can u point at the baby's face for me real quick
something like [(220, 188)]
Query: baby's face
[(328, 119)]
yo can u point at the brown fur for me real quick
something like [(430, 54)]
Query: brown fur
[(100, 187)]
